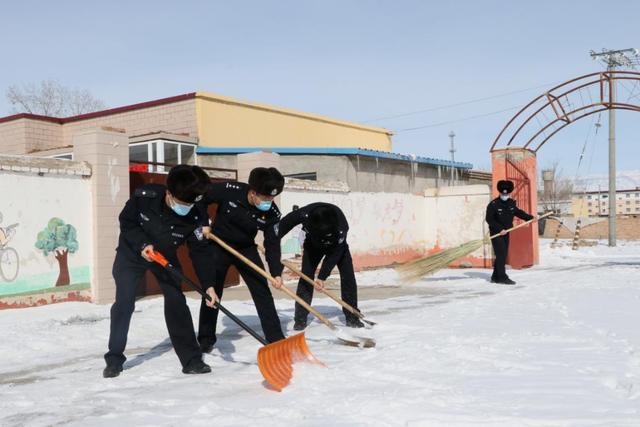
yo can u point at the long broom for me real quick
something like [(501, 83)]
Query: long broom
[(414, 270)]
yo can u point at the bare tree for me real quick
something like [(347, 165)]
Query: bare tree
[(556, 189), (50, 98)]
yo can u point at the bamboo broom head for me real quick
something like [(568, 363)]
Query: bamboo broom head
[(414, 270)]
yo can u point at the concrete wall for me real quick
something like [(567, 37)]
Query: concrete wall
[(388, 228), (226, 122), (35, 191), (360, 173), (457, 215)]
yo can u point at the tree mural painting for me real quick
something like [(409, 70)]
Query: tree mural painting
[(59, 238)]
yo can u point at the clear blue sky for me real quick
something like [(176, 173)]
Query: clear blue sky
[(353, 60)]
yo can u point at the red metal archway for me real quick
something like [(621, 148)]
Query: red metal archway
[(514, 149), (550, 112)]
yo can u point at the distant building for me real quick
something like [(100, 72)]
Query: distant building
[(596, 203)]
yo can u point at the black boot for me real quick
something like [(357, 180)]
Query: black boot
[(506, 281), (300, 325), (112, 371), (196, 366), (354, 322), (206, 345)]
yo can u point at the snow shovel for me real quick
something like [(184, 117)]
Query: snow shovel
[(274, 360), (310, 281), (342, 335)]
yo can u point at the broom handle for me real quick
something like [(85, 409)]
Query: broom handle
[(271, 279), (310, 281), (522, 224)]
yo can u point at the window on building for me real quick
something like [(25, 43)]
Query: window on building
[(628, 209), (187, 153), (628, 195), (589, 197), (170, 151), (139, 153), (160, 151)]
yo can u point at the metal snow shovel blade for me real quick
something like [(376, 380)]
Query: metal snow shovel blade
[(342, 335), (274, 360), (310, 281)]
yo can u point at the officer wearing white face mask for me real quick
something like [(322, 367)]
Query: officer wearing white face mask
[(161, 218), (243, 209), (500, 213)]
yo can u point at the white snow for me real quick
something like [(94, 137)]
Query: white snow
[(561, 348)]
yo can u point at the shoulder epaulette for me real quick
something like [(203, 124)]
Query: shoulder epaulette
[(146, 192)]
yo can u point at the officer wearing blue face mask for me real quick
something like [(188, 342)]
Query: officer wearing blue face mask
[(243, 209), (161, 218), (500, 213)]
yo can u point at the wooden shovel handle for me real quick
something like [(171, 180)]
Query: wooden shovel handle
[(271, 279), (307, 279), (522, 224)]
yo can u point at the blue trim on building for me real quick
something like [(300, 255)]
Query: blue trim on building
[(335, 151)]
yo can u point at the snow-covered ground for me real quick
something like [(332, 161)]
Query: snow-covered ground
[(560, 348)]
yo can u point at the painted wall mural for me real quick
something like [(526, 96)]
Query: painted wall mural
[(9, 259), (45, 232), (60, 239)]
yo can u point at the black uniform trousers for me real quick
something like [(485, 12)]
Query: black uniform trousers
[(258, 287), (311, 257), (500, 249), (128, 274)]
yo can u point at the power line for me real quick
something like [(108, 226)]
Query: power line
[(457, 120), (443, 107)]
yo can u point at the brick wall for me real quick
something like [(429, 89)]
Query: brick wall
[(627, 228), (13, 137), (178, 117), (41, 135)]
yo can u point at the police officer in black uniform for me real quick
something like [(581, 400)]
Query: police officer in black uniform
[(242, 211), (161, 218), (500, 213), (325, 228)]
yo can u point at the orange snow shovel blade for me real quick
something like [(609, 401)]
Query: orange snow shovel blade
[(276, 360)]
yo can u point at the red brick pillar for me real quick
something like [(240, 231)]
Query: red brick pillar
[(519, 165)]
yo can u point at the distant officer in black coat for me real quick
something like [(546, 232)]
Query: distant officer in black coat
[(500, 213), (243, 209), (161, 218), (325, 228)]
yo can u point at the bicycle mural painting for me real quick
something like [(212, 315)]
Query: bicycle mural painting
[(9, 259)]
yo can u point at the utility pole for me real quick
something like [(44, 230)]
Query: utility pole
[(613, 59), (452, 150)]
